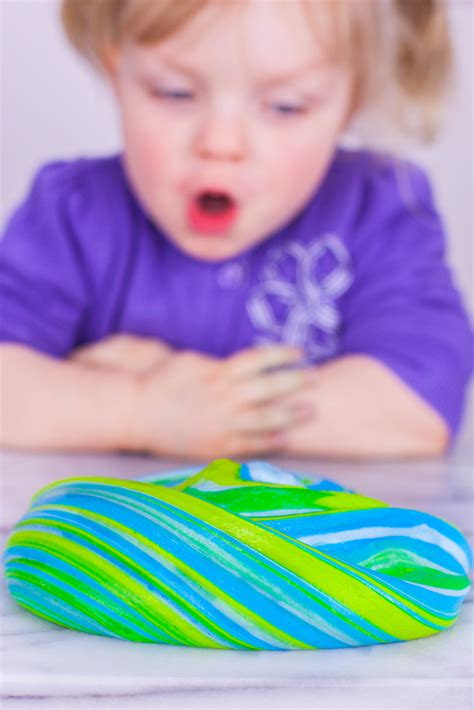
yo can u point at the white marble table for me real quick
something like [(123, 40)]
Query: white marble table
[(47, 666)]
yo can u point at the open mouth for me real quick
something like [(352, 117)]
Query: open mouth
[(212, 212), (215, 203)]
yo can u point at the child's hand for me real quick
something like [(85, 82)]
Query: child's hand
[(129, 353), (197, 406)]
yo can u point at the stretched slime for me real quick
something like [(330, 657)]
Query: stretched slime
[(235, 556)]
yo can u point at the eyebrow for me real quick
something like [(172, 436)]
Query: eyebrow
[(269, 80)]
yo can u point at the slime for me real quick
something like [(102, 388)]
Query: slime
[(235, 556)]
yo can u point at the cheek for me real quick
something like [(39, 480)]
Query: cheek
[(297, 165), (153, 162), (151, 141), (144, 161), (146, 158), (143, 144)]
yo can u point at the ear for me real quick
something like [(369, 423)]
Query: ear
[(109, 63)]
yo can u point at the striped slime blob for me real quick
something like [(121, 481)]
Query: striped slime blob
[(243, 556)]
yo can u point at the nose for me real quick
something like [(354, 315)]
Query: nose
[(222, 137)]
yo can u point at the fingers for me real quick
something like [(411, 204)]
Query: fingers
[(108, 350), (90, 354), (256, 360), (266, 387), (255, 375), (266, 432), (273, 418), (125, 352)]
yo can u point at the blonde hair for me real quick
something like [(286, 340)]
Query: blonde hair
[(399, 51)]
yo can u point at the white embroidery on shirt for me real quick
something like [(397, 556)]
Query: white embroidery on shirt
[(294, 301)]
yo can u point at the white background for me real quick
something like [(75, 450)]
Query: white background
[(54, 106)]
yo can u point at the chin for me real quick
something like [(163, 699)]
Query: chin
[(209, 249)]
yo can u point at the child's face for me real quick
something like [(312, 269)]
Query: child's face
[(228, 125)]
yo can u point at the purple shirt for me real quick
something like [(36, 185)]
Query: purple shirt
[(361, 269)]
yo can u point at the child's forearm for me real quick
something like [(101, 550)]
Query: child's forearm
[(61, 405), (362, 410)]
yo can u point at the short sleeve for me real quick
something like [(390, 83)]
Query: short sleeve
[(403, 307), (43, 285)]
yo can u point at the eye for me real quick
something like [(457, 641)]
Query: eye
[(171, 94), (288, 109)]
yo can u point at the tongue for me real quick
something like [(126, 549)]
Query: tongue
[(214, 203)]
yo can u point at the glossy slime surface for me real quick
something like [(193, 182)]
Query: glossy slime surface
[(243, 556)]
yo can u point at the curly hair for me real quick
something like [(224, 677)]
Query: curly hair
[(400, 48)]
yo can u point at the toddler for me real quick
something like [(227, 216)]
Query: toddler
[(235, 282)]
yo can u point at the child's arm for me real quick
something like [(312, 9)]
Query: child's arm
[(187, 405), (57, 404), (362, 410)]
